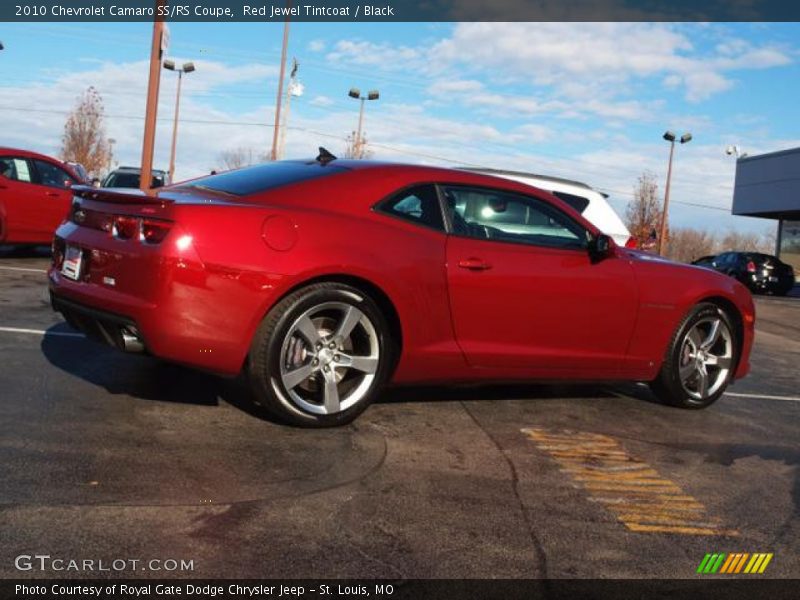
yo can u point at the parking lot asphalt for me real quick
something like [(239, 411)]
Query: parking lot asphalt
[(105, 456)]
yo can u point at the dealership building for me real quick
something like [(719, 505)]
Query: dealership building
[(768, 186)]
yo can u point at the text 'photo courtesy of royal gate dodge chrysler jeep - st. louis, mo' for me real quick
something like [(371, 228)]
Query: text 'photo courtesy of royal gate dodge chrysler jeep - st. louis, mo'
[(325, 280)]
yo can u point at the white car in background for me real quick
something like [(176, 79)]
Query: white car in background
[(586, 200)]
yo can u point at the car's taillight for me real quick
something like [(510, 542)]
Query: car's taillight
[(147, 231), (125, 228), (154, 231), (751, 267), (631, 243)]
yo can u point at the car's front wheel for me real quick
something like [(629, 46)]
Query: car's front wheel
[(320, 356), (700, 360)]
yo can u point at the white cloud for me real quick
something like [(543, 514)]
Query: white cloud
[(385, 56), (317, 45), (321, 101), (575, 58)]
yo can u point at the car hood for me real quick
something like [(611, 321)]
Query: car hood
[(664, 272)]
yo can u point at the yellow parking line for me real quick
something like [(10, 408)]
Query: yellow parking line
[(637, 495)]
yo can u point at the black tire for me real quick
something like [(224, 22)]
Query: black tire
[(268, 353), (668, 386)]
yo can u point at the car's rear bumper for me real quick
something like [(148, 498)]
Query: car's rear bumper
[(119, 331)]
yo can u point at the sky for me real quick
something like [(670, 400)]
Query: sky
[(586, 101)]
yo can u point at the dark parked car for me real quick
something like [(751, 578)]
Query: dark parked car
[(705, 261), (128, 177), (759, 272)]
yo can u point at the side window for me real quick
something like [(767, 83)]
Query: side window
[(50, 175), (17, 169), (496, 215), (419, 205)]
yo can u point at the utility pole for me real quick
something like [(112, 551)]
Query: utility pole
[(157, 47), (276, 129), (294, 89)]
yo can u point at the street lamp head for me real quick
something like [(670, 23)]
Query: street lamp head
[(169, 65), (1, 46), (686, 138), (373, 95), (188, 67), (354, 93), (669, 136)]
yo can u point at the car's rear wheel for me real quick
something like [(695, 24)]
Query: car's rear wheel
[(320, 356), (700, 361)]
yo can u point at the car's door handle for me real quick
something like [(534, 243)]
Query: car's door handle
[(474, 264), (51, 194)]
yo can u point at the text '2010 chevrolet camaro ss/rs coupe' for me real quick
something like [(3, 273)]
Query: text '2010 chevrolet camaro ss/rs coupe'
[(326, 279)]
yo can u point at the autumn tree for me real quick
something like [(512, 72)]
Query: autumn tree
[(85, 139), (643, 213)]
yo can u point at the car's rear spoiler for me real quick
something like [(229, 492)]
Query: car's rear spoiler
[(118, 195)]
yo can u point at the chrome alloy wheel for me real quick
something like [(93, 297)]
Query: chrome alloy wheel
[(329, 358), (706, 358)]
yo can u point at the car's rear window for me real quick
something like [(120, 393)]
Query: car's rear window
[(579, 203), (259, 178)]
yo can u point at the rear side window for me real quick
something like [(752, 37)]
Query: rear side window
[(419, 205), (260, 178), (579, 203), (17, 169)]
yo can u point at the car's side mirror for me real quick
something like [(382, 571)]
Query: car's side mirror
[(600, 247)]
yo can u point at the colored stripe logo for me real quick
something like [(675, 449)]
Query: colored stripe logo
[(734, 562)]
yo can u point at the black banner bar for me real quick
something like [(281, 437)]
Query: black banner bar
[(397, 10), (745, 587)]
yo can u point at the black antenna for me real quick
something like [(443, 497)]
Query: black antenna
[(324, 156)]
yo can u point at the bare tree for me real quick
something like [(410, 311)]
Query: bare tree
[(237, 158), (687, 244), (85, 139), (746, 242), (355, 150), (643, 214)]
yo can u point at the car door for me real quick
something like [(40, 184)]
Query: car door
[(55, 198), (18, 193), (524, 293)]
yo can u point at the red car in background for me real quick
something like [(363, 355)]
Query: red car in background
[(35, 195), (325, 279)]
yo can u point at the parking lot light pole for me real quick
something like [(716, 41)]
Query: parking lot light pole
[(662, 238), (187, 68), (371, 95)]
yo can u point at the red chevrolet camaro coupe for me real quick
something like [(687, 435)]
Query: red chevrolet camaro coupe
[(325, 279)]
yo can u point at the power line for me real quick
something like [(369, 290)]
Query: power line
[(327, 135)]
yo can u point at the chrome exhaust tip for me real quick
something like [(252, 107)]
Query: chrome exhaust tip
[(131, 342)]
